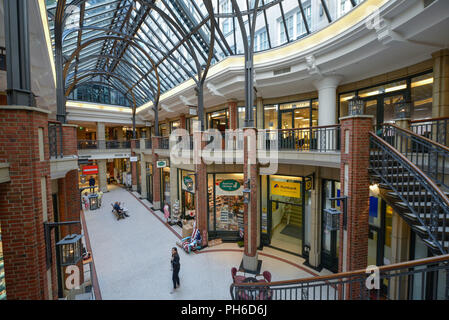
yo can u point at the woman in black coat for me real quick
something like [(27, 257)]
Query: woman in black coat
[(175, 268)]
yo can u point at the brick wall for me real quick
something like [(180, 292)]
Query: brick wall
[(70, 141), (21, 216)]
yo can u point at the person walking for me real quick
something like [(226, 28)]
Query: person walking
[(175, 268)]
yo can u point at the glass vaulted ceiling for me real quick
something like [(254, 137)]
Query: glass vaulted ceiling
[(123, 67)]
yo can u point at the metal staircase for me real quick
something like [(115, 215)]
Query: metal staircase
[(411, 172)]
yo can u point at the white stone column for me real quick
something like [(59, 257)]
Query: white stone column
[(259, 113), (102, 175), (101, 135), (327, 96)]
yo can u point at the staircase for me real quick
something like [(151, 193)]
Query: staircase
[(294, 214), (410, 171)]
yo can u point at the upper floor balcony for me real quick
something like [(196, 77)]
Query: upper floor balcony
[(62, 149)]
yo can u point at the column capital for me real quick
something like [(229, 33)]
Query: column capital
[(328, 82), (440, 53)]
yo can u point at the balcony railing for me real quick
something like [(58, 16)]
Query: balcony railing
[(148, 144), (55, 140), (436, 129), (164, 143), (103, 144), (319, 139), (403, 281)]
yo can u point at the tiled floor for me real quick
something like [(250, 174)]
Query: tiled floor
[(132, 257)]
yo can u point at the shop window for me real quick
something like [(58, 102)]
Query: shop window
[(175, 125), (271, 117), (187, 189), (241, 116), (218, 120), (226, 202), (422, 96)]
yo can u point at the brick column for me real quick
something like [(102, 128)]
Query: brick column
[(200, 183), (251, 173), (233, 114), (69, 138), (69, 210), (182, 120), (355, 181), (156, 175), (26, 203)]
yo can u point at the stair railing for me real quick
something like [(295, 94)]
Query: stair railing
[(353, 285), (436, 129), (430, 156), (418, 184)]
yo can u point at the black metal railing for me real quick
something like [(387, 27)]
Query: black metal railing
[(432, 158), (148, 144), (103, 144), (427, 204), (3, 58), (55, 140), (319, 139), (164, 143), (436, 129), (403, 281)]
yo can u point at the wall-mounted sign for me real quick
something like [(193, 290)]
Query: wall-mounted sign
[(188, 184), (161, 164), (133, 159), (229, 187), (286, 189), (90, 170), (193, 111)]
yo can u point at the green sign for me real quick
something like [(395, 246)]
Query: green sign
[(161, 164), (230, 185), (188, 183)]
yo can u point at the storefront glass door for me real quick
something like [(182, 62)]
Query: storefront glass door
[(286, 213), (329, 239)]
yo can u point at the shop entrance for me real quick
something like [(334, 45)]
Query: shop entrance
[(329, 239), (226, 209), (165, 185), (289, 213), (149, 177), (187, 191)]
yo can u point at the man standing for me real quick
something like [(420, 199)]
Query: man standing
[(92, 184)]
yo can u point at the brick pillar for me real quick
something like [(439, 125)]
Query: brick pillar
[(133, 166), (26, 203), (355, 181), (182, 120), (200, 183), (156, 175), (251, 173), (233, 115), (69, 210), (69, 138)]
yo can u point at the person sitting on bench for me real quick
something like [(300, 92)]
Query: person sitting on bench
[(119, 209)]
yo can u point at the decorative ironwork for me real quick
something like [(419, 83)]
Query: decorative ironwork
[(352, 285), (356, 106), (55, 140)]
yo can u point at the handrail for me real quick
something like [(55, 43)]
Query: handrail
[(391, 267), (305, 129), (415, 167), (429, 120), (438, 145)]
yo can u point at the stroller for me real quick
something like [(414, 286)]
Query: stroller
[(193, 242)]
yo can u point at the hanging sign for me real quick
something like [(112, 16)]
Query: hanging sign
[(133, 159), (161, 164), (286, 189), (229, 187), (188, 184), (90, 170)]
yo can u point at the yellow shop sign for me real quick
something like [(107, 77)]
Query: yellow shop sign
[(286, 189)]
